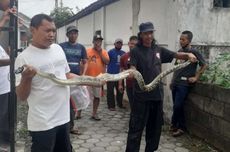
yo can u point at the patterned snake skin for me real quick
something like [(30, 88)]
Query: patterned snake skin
[(102, 78)]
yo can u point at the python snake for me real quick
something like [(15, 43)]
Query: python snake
[(102, 78)]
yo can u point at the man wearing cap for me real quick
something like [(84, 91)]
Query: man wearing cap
[(76, 56), (114, 68), (97, 60), (147, 108)]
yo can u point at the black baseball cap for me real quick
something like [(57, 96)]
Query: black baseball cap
[(97, 36), (146, 27)]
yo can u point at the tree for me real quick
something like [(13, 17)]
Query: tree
[(60, 14)]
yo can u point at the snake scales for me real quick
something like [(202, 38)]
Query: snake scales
[(100, 79)]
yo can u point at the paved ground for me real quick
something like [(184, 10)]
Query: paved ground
[(109, 134)]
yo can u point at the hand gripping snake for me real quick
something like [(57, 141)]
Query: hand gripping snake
[(100, 79)]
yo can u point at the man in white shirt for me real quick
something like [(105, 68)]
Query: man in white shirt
[(4, 97), (4, 75), (48, 115)]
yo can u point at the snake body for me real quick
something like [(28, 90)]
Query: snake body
[(100, 79)]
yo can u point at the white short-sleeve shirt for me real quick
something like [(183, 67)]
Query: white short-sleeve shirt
[(48, 102), (4, 74)]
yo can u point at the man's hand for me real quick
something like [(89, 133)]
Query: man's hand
[(192, 57), (29, 72), (192, 79), (120, 88)]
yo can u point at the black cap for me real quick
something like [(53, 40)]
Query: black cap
[(146, 27), (71, 28), (97, 36)]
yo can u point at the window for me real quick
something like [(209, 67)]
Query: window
[(221, 3)]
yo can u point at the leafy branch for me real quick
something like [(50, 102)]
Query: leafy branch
[(218, 72)]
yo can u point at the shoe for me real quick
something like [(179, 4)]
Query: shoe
[(96, 118), (112, 109), (172, 128), (78, 117), (3, 149), (122, 107), (178, 133), (75, 132)]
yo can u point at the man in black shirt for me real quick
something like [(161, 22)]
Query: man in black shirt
[(147, 109), (182, 81)]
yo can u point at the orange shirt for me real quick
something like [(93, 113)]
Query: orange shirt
[(95, 63)]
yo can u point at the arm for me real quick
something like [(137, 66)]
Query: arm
[(105, 59), (85, 66), (70, 75), (120, 84), (186, 56), (24, 87), (5, 18), (198, 74), (4, 62)]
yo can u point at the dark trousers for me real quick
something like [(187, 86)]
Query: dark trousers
[(72, 115), (147, 114), (53, 140), (110, 95), (179, 94), (129, 92), (4, 119)]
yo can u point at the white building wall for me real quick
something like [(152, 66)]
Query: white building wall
[(156, 12), (61, 37), (99, 20), (208, 24), (86, 30), (118, 23)]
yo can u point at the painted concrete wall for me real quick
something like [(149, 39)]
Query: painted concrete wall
[(156, 12), (208, 24), (118, 22), (85, 26)]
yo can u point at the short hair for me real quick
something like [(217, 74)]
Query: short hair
[(189, 35), (37, 20), (134, 37)]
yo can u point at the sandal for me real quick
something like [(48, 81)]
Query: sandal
[(96, 118), (75, 131), (172, 128), (78, 117), (178, 133)]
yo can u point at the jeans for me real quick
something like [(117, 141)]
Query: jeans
[(53, 140), (179, 94)]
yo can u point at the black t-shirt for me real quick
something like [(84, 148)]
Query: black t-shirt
[(181, 76), (148, 62)]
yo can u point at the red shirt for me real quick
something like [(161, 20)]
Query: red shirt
[(124, 64)]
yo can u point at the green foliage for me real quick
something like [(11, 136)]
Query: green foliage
[(60, 14), (218, 72)]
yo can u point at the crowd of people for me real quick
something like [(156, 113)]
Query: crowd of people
[(52, 111)]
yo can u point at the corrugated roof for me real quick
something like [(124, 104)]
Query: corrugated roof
[(88, 10)]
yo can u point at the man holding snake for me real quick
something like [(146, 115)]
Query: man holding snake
[(147, 108), (49, 110)]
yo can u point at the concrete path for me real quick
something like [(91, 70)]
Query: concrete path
[(110, 134)]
